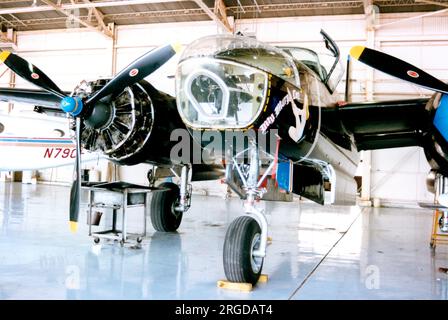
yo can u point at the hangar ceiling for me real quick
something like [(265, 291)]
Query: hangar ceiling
[(25, 15)]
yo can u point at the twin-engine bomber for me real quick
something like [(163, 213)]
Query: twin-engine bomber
[(279, 102)]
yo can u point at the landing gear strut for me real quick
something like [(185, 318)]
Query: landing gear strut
[(246, 238), (168, 206)]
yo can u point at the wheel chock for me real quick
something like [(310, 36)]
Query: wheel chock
[(241, 286), (235, 286), (263, 278)]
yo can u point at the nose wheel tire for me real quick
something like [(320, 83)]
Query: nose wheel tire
[(242, 239), (164, 217)]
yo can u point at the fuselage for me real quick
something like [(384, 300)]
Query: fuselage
[(37, 142), (233, 84), (231, 87)]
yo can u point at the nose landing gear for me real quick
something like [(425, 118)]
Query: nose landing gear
[(246, 238)]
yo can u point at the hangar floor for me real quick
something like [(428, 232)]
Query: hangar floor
[(317, 253)]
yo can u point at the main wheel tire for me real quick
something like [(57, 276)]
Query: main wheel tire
[(242, 238), (163, 216)]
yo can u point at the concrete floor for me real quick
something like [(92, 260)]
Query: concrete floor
[(317, 253)]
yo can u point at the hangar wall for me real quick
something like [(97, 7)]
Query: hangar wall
[(398, 176)]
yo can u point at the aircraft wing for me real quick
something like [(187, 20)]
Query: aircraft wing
[(378, 125), (31, 96)]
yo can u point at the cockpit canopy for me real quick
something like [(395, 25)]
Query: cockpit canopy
[(247, 51), (222, 81), (327, 67)]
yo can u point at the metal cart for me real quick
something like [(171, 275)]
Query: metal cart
[(117, 196)]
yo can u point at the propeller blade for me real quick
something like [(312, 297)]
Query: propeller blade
[(136, 71), (74, 210), (30, 72), (397, 68), (31, 96), (75, 192)]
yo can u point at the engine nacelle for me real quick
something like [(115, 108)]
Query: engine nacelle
[(133, 127), (435, 145)]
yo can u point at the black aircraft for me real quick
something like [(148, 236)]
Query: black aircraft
[(279, 101), (237, 84)]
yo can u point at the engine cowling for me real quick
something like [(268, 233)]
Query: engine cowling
[(133, 127), (436, 146)]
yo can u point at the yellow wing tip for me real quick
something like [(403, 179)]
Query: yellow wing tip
[(73, 226), (4, 55), (356, 51), (177, 47)]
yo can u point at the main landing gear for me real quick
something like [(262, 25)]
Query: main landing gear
[(246, 238), (169, 204)]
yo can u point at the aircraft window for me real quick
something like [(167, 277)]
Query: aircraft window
[(268, 60), (2, 128), (246, 51), (308, 58), (336, 67), (324, 65), (215, 93)]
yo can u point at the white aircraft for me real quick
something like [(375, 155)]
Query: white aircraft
[(30, 141)]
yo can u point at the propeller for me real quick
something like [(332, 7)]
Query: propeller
[(75, 190), (136, 71), (398, 68), (78, 108), (32, 96), (408, 72), (30, 72)]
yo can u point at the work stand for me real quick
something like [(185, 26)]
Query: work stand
[(116, 198), (439, 233)]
